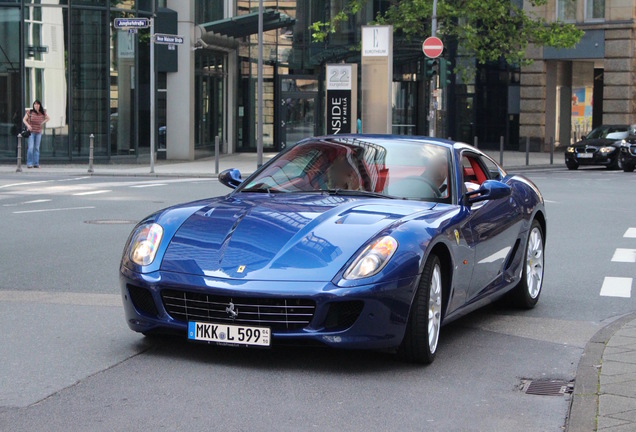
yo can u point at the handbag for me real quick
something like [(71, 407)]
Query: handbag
[(25, 133)]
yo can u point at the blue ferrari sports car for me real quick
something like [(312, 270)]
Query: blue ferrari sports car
[(350, 241)]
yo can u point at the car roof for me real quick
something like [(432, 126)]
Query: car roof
[(384, 138)]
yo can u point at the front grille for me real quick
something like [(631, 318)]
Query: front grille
[(276, 313), (342, 315), (142, 300)]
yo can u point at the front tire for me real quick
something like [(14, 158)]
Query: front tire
[(422, 331), (627, 167), (526, 294), (572, 165)]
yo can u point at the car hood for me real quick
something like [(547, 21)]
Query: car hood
[(596, 142), (280, 236)]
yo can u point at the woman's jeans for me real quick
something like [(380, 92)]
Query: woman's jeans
[(33, 149)]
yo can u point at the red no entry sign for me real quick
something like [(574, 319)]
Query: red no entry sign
[(432, 47)]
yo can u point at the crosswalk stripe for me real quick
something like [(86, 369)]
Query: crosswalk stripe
[(624, 255), (617, 287), (630, 233)]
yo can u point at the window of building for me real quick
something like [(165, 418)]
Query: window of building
[(594, 10), (10, 98), (90, 101), (566, 10)]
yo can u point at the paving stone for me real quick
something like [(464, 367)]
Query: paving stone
[(627, 389), (609, 405), (609, 423), (617, 368)]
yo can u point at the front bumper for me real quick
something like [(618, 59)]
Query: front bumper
[(627, 155), (596, 158), (365, 317)]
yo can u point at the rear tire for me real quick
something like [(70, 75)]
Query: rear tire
[(422, 332), (526, 294)]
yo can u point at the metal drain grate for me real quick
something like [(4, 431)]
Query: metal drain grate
[(547, 387)]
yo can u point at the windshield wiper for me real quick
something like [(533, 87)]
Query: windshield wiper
[(351, 192), (262, 189)]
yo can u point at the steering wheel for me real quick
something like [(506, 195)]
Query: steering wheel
[(429, 183), (408, 187)]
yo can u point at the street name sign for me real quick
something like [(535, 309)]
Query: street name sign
[(121, 23), (168, 39)]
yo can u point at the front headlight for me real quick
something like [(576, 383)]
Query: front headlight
[(607, 149), (570, 149), (144, 244), (372, 259)]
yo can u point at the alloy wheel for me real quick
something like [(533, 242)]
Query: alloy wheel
[(434, 308), (534, 263)]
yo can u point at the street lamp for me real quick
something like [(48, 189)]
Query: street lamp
[(259, 90)]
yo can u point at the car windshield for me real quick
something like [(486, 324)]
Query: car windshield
[(609, 132), (380, 168)]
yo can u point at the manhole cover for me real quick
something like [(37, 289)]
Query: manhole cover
[(110, 222), (547, 387)]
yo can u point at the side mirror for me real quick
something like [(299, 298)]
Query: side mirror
[(231, 178), (489, 190)]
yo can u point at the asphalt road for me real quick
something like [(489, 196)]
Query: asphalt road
[(70, 363)]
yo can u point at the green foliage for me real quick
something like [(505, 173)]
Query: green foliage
[(485, 29)]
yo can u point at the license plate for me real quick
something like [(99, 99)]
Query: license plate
[(585, 155), (229, 334)]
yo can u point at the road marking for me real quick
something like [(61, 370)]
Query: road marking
[(36, 201), (25, 184), (92, 192), (630, 233), (624, 255), (66, 298), (149, 185), (53, 210), (617, 287), (74, 179)]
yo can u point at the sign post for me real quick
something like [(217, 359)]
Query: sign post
[(132, 24), (342, 80), (433, 44), (376, 79)]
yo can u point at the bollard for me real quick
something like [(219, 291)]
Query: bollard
[(551, 150), (19, 168), (216, 154), (476, 142), (527, 150), (501, 143), (90, 153)]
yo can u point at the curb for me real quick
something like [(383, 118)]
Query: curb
[(584, 406)]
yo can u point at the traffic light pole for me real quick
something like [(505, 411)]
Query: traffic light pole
[(432, 123)]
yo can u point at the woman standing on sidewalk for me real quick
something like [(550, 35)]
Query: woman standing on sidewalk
[(34, 119)]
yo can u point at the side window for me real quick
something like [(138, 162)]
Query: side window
[(493, 170)]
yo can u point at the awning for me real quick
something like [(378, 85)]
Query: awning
[(245, 25)]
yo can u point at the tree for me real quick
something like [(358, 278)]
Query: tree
[(487, 30)]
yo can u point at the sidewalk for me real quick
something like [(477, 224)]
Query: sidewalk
[(246, 163), (604, 397)]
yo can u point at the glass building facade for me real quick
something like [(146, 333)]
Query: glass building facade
[(94, 79)]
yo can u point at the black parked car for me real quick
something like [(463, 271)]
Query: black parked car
[(599, 147), (627, 151)]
